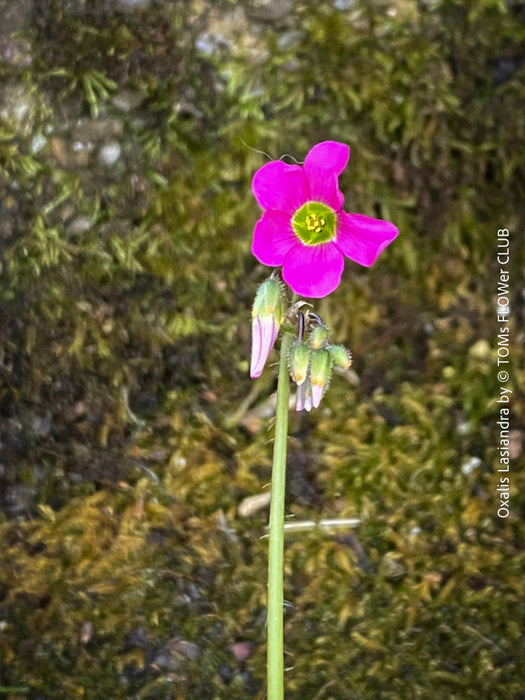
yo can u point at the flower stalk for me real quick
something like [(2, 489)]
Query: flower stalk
[(275, 661), (304, 230)]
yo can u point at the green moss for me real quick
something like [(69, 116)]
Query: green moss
[(127, 443)]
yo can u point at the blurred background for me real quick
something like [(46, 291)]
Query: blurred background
[(135, 452)]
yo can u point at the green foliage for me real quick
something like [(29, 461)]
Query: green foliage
[(126, 287)]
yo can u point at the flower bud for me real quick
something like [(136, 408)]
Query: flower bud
[(340, 355), (304, 396), (298, 361), (318, 337), (267, 316), (320, 372)]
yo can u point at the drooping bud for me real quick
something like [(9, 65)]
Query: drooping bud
[(340, 355), (320, 372), (298, 361), (304, 396), (318, 337), (267, 316)]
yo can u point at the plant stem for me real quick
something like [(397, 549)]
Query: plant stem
[(275, 669)]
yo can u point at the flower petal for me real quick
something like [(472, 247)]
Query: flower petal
[(303, 400), (264, 335), (317, 395), (324, 187), (273, 237), (280, 186), (313, 271), (300, 397), (362, 238), (327, 155)]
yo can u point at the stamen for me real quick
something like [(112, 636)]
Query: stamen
[(315, 223)]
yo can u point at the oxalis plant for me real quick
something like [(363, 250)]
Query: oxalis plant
[(304, 231)]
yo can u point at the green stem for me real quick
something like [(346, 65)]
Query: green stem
[(276, 544)]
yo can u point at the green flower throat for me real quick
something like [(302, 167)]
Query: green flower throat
[(314, 223)]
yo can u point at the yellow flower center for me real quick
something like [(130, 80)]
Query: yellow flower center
[(314, 223)]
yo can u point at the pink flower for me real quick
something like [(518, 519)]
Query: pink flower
[(303, 226)]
